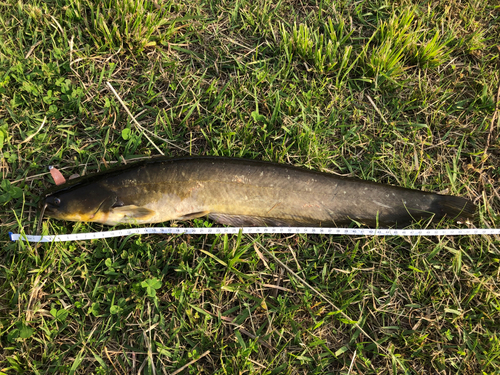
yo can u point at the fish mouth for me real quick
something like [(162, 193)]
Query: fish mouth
[(47, 209), (51, 206)]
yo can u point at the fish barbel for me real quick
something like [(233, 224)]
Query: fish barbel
[(241, 192)]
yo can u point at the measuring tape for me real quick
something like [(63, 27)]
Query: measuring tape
[(252, 230)]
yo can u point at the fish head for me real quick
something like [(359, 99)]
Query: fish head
[(80, 204), (94, 203)]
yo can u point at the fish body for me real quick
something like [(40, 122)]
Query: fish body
[(242, 192)]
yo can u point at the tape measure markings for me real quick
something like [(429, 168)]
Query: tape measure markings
[(253, 230)]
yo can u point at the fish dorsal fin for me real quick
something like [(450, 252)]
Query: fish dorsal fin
[(133, 212), (193, 215)]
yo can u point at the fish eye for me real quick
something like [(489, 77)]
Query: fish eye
[(57, 201)]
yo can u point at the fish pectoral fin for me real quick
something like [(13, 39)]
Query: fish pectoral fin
[(133, 212), (193, 215)]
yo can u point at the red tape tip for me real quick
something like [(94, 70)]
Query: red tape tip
[(56, 175)]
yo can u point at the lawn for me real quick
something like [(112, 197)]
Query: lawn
[(403, 93)]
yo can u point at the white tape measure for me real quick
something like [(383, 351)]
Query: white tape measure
[(253, 230)]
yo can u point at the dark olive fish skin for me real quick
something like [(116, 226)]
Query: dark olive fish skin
[(242, 192)]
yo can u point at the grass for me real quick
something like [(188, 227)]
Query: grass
[(398, 93)]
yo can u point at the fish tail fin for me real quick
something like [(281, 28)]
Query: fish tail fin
[(456, 207)]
